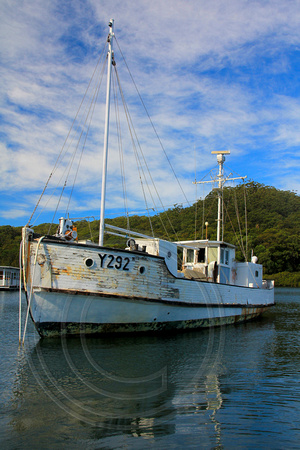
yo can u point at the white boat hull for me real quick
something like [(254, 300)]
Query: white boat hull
[(59, 314), (73, 289)]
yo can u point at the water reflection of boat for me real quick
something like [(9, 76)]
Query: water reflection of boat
[(78, 287), (133, 385), (104, 393)]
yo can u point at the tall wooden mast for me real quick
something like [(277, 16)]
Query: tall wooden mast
[(106, 130)]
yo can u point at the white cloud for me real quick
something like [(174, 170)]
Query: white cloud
[(212, 74)]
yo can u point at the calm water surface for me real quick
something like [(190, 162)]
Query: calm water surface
[(230, 387)]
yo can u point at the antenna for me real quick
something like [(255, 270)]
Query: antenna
[(221, 180)]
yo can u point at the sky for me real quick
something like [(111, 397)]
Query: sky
[(213, 75)]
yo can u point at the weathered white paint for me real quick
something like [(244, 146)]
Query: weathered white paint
[(88, 284)]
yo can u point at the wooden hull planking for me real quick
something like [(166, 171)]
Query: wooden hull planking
[(91, 289)]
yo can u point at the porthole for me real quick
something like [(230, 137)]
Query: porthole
[(142, 270), (89, 262)]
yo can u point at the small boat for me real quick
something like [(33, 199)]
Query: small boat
[(75, 287), (9, 278)]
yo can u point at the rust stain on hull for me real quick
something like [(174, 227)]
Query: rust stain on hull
[(68, 278), (56, 329)]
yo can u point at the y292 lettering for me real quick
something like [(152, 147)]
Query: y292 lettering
[(112, 262)]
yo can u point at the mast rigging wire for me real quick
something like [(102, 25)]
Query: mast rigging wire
[(63, 151), (152, 124), (139, 163)]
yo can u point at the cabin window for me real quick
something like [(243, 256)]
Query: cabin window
[(224, 256), (1, 274), (212, 254), (256, 273), (201, 255), (179, 257), (190, 256)]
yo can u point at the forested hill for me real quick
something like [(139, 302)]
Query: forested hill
[(272, 222)]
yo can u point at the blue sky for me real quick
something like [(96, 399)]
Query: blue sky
[(214, 75)]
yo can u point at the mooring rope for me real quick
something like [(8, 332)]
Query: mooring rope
[(31, 288)]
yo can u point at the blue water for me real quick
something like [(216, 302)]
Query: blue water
[(231, 387)]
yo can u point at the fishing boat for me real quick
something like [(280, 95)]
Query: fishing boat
[(75, 287)]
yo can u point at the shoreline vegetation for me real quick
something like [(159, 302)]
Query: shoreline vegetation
[(285, 279), (272, 224)]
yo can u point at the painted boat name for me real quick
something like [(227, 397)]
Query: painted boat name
[(113, 262)]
